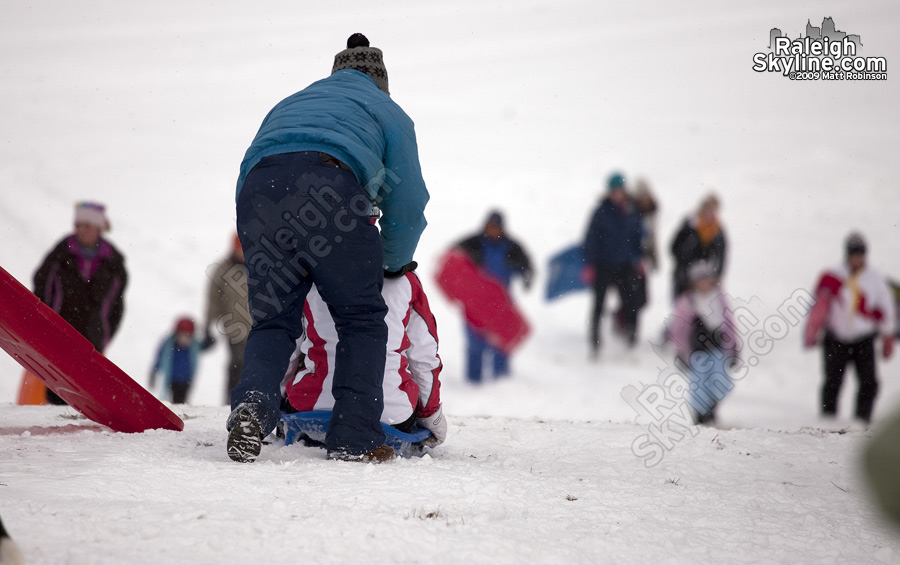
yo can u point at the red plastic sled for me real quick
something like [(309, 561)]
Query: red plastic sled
[(486, 305), (818, 317), (48, 347)]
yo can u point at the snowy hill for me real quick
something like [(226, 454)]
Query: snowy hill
[(150, 108)]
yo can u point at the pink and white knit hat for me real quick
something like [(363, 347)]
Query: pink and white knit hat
[(91, 213)]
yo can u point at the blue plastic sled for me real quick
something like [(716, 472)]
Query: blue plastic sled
[(564, 273), (312, 426)]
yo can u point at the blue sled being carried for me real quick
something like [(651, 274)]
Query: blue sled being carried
[(311, 427), (564, 273)]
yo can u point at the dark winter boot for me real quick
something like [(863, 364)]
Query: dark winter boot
[(378, 455), (708, 418), (630, 332), (245, 438), (9, 551), (595, 345)]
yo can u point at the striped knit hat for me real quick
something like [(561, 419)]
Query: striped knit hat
[(359, 56)]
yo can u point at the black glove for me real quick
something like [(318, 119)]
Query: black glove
[(526, 280), (208, 341), (409, 267)]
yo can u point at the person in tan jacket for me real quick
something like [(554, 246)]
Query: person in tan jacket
[(228, 311)]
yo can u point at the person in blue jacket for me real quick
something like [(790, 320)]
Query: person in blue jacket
[(501, 258), (612, 253), (324, 164), (176, 360)]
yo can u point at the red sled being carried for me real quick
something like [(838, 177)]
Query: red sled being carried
[(486, 305), (52, 350)]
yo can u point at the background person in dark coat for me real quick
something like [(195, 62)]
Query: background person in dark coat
[(501, 258), (612, 252), (83, 280), (700, 238)]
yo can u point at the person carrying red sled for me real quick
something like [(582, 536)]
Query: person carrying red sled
[(853, 309), (501, 258)]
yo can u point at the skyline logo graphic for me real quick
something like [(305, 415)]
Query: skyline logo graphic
[(824, 53)]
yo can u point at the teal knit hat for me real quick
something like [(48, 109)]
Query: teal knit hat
[(616, 180)]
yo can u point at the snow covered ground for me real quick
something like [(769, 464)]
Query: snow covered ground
[(149, 109)]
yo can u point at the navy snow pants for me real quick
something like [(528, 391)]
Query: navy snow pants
[(303, 221), (838, 355)]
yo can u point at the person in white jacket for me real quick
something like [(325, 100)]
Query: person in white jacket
[(853, 308), (412, 369)]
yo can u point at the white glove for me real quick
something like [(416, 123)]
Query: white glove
[(437, 424)]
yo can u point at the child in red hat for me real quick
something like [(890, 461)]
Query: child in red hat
[(177, 360)]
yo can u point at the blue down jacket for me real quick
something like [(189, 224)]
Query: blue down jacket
[(349, 118)]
